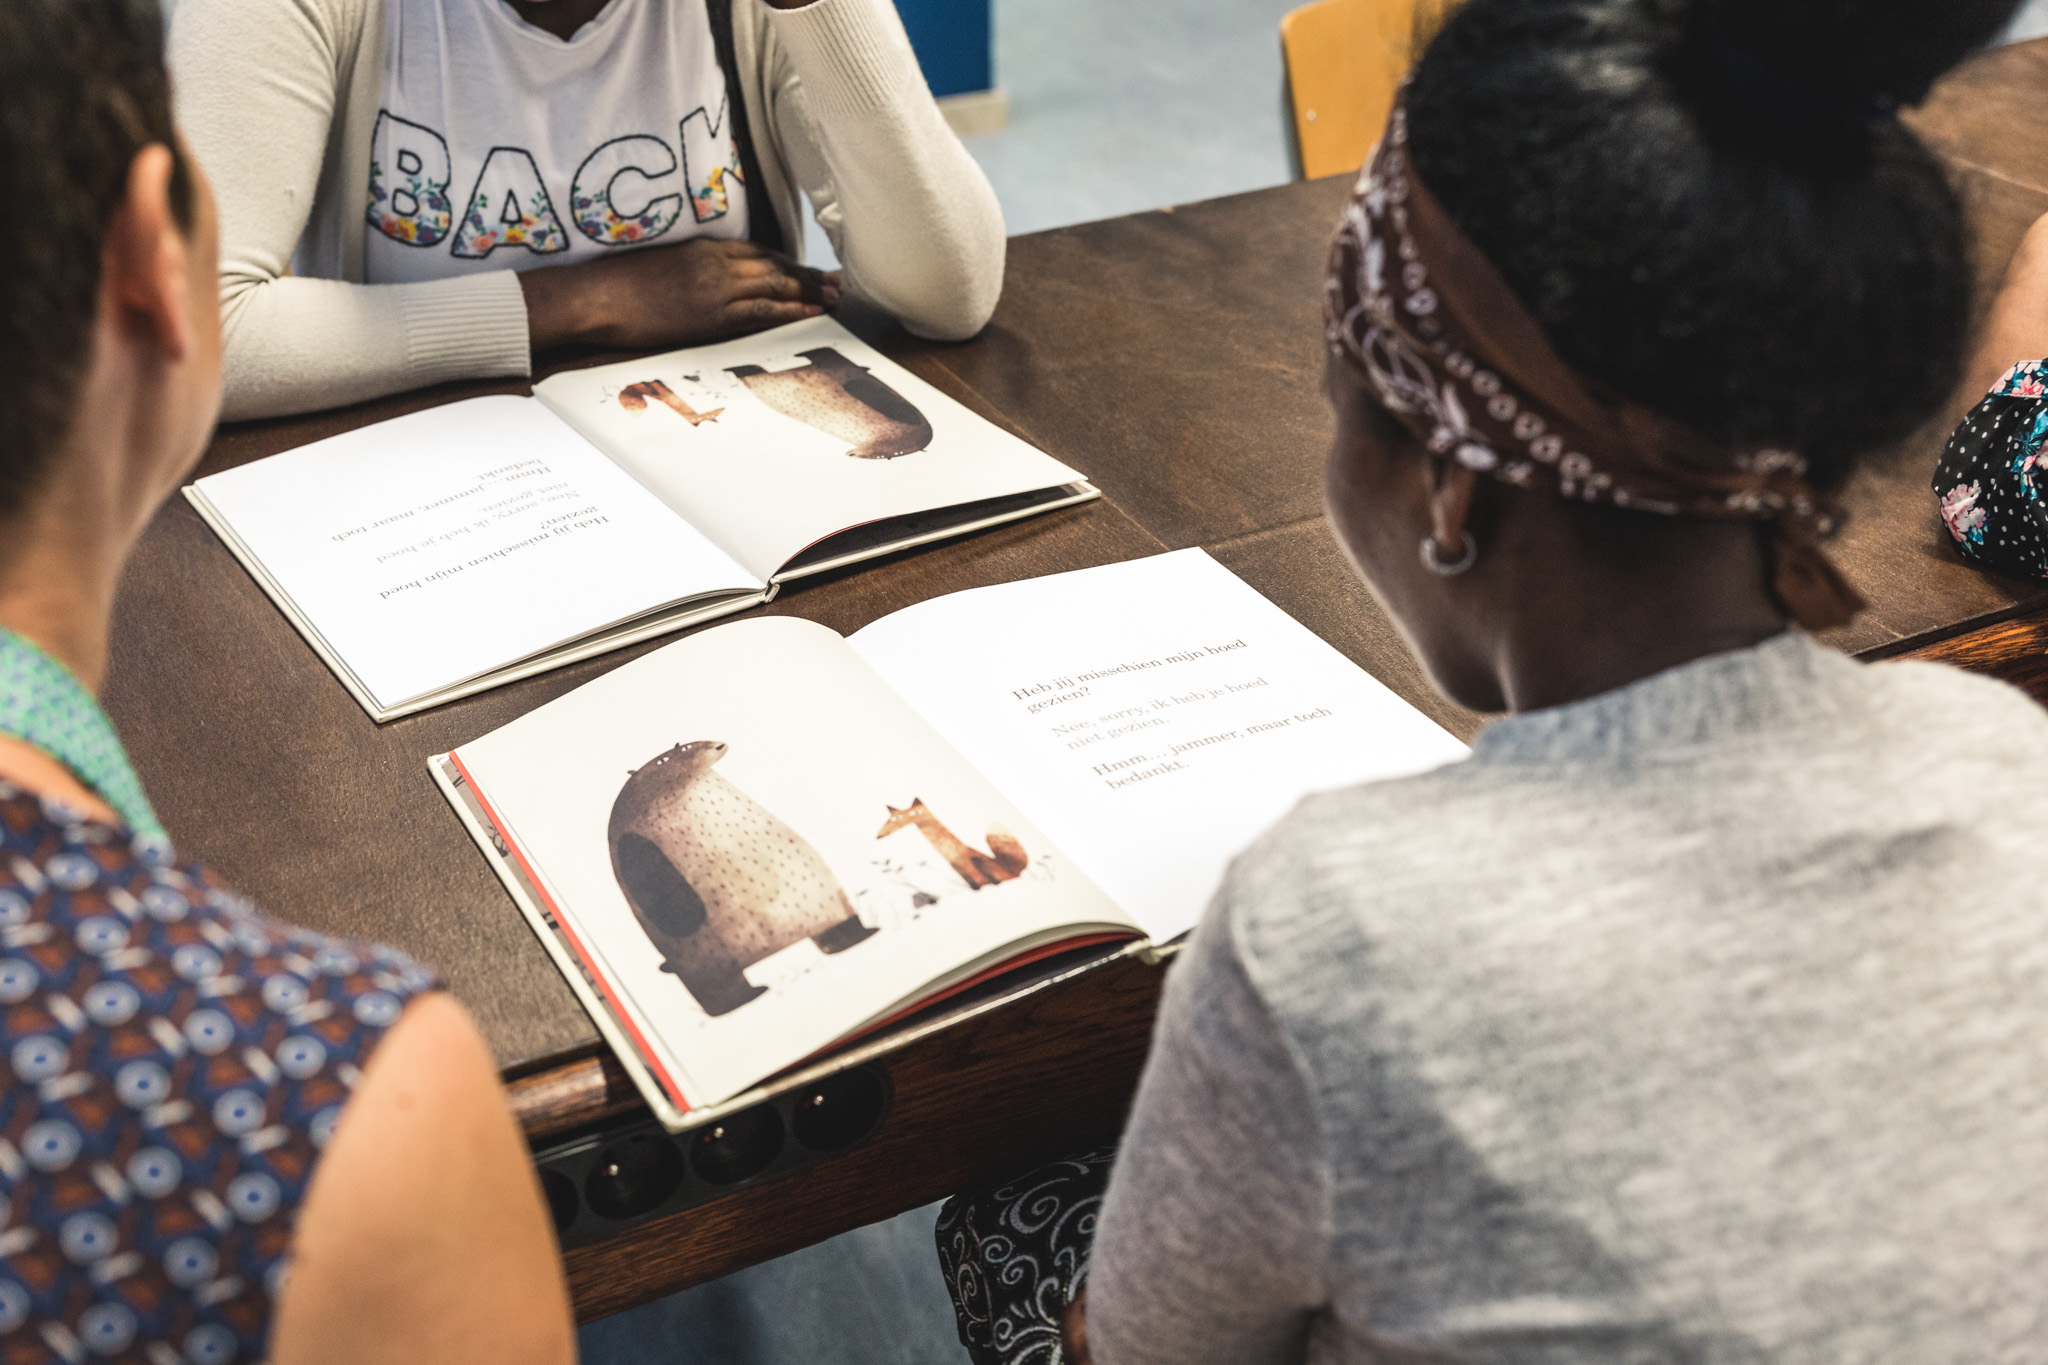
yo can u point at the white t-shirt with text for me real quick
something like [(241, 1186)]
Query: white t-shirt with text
[(499, 145)]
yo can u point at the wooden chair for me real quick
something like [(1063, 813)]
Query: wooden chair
[(1343, 61)]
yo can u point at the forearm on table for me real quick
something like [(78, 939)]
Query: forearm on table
[(294, 345), (2016, 328), (257, 94), (925, 241), (920, 231)]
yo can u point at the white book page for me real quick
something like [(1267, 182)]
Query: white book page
[(769, 463), (770, 760), (1153, 717), (438, 546)]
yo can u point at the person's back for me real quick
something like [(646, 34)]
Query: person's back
[(221, 1138), (1695, 1019), (175, 1063), (1713, 1035)]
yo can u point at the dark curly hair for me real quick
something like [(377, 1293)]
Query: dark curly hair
[(82, 90), (1708, 206)]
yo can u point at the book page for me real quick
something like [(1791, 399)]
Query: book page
[(772, 442), (441, 545), (1154, 717), (758, 848)]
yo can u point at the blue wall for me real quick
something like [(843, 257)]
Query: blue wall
[(952, 42)]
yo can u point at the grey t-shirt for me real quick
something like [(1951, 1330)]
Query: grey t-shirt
[(1705, 1021)]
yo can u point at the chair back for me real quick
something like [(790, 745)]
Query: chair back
[(1344, 59)]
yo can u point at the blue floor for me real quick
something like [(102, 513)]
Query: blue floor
[(1120, 107), (1132, 105), (871, 1297)]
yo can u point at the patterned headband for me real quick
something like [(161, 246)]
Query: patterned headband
[(1415, 310)]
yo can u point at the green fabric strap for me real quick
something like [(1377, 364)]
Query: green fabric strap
[(43, 703)]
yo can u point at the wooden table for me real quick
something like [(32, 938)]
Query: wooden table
[(1984, 120), (1174, 356)]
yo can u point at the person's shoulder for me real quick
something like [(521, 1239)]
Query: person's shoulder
[(200, 26), (1319, 923), (178, 1046), (1968, 714), (129, 905), (1301, 900), (843, 27), (1328, 834), (1928, 680), (762, 18)]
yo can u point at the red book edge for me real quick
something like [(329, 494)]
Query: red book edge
[(625, 1019)]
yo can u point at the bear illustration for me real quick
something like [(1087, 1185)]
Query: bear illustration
[(716, 881), (843, 400)]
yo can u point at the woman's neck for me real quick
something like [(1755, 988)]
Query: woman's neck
[(57, 592), (1680, 590), (559, 17), (48, 598), (1549, 677)]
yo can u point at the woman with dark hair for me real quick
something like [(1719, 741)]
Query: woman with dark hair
[(194, 1098), (1696, 1017)]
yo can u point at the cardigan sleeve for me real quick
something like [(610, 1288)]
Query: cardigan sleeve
[(257, 93), (913, 219)]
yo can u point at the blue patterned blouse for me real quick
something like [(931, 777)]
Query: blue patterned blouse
[(173, 1063)]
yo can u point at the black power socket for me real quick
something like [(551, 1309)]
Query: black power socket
[(601, 1184)]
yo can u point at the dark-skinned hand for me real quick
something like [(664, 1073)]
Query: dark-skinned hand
[(1074, 1332), (701, 290)]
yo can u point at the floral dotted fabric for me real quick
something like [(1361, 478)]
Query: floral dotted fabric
[(1991, 476), (173, 1063)]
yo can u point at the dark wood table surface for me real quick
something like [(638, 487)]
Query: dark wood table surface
[(1174, 356)]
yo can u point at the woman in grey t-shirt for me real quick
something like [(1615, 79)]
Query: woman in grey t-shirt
[(1697, 1017)]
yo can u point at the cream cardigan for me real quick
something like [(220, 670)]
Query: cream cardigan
[(278, 99)]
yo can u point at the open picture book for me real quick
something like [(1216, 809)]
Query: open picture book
[(758, 842), (454, 549)]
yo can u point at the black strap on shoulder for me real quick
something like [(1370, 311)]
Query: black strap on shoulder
[(763, 227)]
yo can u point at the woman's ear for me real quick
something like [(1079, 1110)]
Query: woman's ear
[(1450, 504), (145, 278)]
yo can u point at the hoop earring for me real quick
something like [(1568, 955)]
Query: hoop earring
[(1433, 560)]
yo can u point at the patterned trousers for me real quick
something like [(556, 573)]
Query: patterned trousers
[(1015, 1254)]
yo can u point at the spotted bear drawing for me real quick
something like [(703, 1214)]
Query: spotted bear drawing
[(717, 882)]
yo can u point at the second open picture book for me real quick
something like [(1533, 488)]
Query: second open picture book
[(755, 843), (467, 545)]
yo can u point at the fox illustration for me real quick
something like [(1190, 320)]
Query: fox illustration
[(1004, 860), (633, 398)]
